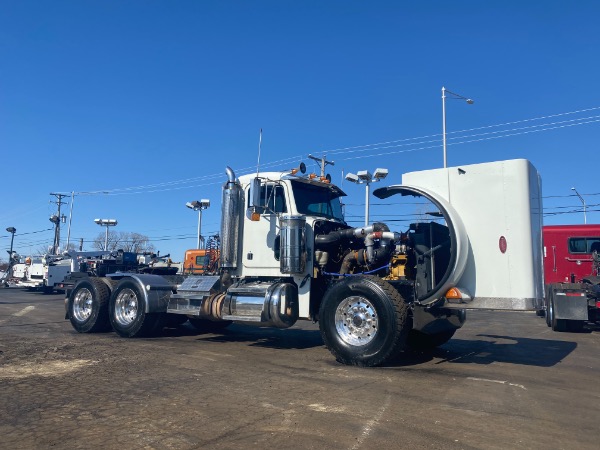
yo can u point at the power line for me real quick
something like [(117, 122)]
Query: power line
[(176, 184), (469, 141)]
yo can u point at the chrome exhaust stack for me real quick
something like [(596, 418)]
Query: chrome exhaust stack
[(230, 221)]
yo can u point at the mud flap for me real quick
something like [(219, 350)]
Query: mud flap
[(571, 305)]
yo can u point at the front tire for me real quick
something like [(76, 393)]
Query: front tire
[(127, 309), (363, 321), (87, 308)]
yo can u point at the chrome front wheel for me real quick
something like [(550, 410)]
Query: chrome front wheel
[(356, 321)]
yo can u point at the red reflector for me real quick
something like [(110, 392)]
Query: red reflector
[(597, 304), (574, 294)]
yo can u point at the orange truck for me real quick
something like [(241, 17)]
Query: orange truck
[(200, 261)]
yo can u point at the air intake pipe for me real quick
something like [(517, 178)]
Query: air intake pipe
[(333, 238), (369, 256)]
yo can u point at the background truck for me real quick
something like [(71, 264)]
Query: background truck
[(571, 271), (104, 263), (287, 254), (203, 260), (45, 273)]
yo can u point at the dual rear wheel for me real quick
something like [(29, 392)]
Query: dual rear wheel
[(92, 308)]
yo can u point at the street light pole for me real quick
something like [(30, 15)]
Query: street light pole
[(365, 177), (12, 231), (106, 223), (199, 227), (583, 202), (367, 184), (70, 219), (457, 97), (199, 205)]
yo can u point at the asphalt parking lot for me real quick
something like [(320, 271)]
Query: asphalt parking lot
[(505, 381)]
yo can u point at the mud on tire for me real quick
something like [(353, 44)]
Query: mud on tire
[(363, 321)]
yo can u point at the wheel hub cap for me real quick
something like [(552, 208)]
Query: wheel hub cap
[(356, 321), (126, 307), (82, 305)]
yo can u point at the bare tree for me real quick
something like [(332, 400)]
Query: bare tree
[(128, 242), (137, 243)]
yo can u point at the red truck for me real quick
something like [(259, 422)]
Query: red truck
[(571, 276)]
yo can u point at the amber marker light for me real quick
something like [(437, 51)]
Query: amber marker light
[(454, 294)]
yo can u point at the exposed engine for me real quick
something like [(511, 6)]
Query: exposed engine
[(344, 251)]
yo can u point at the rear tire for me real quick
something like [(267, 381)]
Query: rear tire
[(47, 290), (559, 325), (549, 306), (127, 310), (363, 321), (87, 307)]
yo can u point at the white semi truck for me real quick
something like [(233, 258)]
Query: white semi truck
[(287, 254)]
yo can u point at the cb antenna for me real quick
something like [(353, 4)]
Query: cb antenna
[(259, 144)]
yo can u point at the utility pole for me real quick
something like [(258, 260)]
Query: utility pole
[(323, 162), (56, 219)]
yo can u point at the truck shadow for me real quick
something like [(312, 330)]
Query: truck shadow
[(271, 338), (505, 349), (255, 337)]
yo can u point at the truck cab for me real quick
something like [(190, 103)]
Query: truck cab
[(571, 276), (568, 252)]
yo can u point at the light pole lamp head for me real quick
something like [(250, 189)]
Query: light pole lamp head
[(198, 204), (12, 230), (352, 178), (470, 101), (380, 174), (106, 222), (364, 175)]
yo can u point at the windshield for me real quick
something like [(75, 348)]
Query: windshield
[(319, 201)]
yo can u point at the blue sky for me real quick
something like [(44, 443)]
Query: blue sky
[(160, 96)]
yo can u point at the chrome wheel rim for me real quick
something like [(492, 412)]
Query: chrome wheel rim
[(356, 321), (126, 307), (82, 305)]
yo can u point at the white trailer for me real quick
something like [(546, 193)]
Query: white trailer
[(287, 254)]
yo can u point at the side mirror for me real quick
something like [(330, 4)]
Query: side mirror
[(257, 198)]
